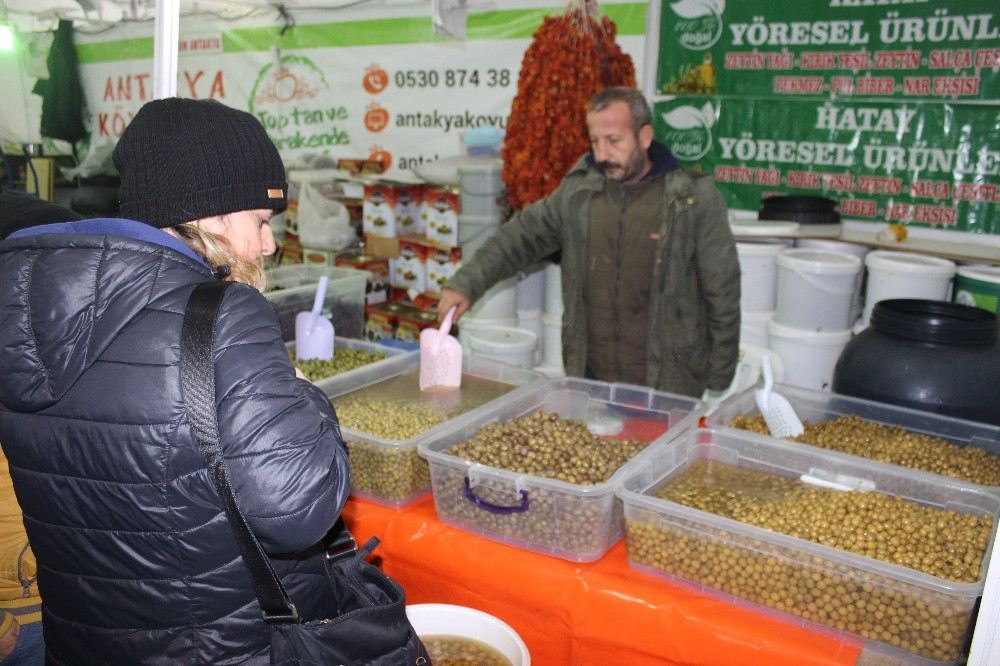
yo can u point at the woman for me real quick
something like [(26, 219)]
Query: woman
[(136, 562)]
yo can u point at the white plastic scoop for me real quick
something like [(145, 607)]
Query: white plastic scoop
[(313, 332), (778, 413), (440, 356)]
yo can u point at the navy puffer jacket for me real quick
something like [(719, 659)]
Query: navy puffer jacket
[(136, 562)]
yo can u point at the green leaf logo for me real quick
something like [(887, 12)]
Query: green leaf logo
[(689, 130), (699, 23)]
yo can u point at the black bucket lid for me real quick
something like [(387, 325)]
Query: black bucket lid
[(935, 322), (803, 209)]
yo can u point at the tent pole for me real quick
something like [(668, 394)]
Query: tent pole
[(165, 48)]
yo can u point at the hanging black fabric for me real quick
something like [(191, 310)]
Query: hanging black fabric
[(367, 622), (62, 93)]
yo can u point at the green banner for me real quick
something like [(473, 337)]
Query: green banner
[(925, 164), (906, 49)]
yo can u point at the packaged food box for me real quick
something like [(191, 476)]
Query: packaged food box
[(440, 214), (383, 413), (552, 516), (896, 532), (409, 269), (292, 289), (349, 355), (965, 450), (379, 210), (441, 265)]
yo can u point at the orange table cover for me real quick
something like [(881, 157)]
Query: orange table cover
[(601, 612)]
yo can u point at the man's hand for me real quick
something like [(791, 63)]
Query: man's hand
[(9, 640), (452, 297)]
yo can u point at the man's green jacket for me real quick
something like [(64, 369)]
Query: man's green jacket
[(694, 330)]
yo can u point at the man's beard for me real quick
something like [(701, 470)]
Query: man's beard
[(632, 168)]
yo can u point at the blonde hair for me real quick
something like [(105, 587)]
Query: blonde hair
[(216, 251)]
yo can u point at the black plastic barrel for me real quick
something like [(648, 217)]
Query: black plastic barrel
[(799, 208), (930, 355)]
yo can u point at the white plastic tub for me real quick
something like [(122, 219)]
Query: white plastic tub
[(978, 286), (469, 324), (499, 302), (531, 320), (758, 274), (480, 188), (815, 289), (553, 289), (465, 622), (809, 356), (474, 230), (905, 275), (572, 521), (513, 346), (853, 249), (753, 328), (531, 290), (552, 344)]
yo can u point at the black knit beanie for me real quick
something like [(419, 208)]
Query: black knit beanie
[(185, 159)]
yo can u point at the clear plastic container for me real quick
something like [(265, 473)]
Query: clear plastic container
[(574, 522), (363, 345), (818, 406), (388, 470), (898, 611), (291, 290)]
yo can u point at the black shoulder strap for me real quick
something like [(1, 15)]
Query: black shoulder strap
[(198, 390)]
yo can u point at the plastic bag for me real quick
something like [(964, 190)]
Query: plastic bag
[(323, 223)]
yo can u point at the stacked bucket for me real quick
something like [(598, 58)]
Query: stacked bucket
[(492, 327)]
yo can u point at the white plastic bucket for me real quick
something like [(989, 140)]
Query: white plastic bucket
[(531, 290), (474, 230), (758, 274), (469, 324), (480, 187), (553, 289), (513, 346), (499, 302), (464, 622), (552, 345), (753, 328), (853, 249), (809, 357), (905, 275), (815, 289), (978, 286), (531, 320)]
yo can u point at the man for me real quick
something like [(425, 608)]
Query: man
[(651, 280)]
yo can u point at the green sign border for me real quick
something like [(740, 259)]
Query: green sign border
[(630, 19)]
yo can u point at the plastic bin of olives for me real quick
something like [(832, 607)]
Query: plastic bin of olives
[(877, 551), (538, 469), (918, 440), (382, 414), (348, 355)]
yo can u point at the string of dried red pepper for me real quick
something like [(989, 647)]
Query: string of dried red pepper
[(571, 57)]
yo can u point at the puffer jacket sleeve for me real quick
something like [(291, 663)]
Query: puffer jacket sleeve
[(533, 234), (719, 275), (279, 434)]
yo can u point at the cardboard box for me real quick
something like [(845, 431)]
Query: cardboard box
[(377, 290), (409, 269), (441, 215), (411, 320), (380, 322), (409, 205), (379, 211), (441, 265)]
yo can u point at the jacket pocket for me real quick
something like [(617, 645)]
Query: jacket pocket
[(692, 363)]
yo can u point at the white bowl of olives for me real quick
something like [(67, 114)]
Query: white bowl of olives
[(459, 634)]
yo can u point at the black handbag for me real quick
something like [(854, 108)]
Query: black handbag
[(369, 626)]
